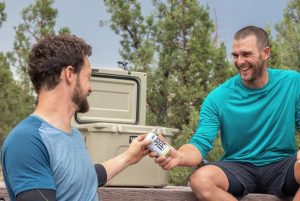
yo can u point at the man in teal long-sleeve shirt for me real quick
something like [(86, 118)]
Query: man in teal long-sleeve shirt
[(256, 113)]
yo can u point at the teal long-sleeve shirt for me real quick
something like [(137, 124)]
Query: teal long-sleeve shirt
[(257, 126)]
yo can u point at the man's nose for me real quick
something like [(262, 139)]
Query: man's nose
[(90, 90), (240, 60)]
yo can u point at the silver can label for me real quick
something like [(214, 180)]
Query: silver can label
[(157, 145)]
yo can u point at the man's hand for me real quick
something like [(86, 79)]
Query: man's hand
[(187, 155), (137, 149), (169, 161)]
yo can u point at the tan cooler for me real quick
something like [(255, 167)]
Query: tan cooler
[(117, 115)]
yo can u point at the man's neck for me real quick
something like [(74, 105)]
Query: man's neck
[(57, 112)]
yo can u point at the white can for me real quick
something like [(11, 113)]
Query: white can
[(157, 145)]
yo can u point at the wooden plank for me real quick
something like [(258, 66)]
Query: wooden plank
[(262, 197), (170, 193), (146, 194), (3, 192)]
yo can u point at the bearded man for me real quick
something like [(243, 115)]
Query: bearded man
[(44, 157)]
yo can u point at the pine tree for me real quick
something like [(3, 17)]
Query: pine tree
[(288, 37), (275, 59), (135, 30), (13, 99), (15, 103)]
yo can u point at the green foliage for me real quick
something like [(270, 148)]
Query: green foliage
[(15, 103), (274, 60), (136, 32), (184, 59), (179, 176), (288, 37)]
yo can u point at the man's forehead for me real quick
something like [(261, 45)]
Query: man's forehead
[(246, 44), (250, 38)]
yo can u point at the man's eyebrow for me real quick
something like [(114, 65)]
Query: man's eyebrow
[(241, 53)]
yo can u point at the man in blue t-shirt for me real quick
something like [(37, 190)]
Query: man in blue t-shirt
[(44, 157), (256, 113)]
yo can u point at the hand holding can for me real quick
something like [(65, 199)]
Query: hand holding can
[(157, 145)]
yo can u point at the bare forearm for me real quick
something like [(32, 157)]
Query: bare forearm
[(189, 155), (116, 165)]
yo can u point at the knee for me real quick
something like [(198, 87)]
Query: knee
[(202, 184)]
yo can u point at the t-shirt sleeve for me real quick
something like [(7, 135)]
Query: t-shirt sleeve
[(207, 128), (101, 174), (26, 163)]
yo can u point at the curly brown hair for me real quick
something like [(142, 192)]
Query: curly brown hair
[(51, 55)]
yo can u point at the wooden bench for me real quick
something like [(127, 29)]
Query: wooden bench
[(169, 193)]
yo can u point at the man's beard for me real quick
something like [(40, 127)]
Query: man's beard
[(79, 99), (257, 71)]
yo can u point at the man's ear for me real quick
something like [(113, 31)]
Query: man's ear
[(266, 53), (69, 74)]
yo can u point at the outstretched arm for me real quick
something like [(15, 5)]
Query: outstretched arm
[(136, 151)]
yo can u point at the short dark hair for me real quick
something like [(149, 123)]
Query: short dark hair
[(260, 34), (51, 55)]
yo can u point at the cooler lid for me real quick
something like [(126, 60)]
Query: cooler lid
[(118, 96), (127, 129)]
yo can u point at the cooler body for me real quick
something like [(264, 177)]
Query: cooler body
[(105, 141)]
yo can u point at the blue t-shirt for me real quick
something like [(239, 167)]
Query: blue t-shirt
[(257, 126), (38, 155)]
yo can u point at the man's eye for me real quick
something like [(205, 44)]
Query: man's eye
[(247, 54)]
